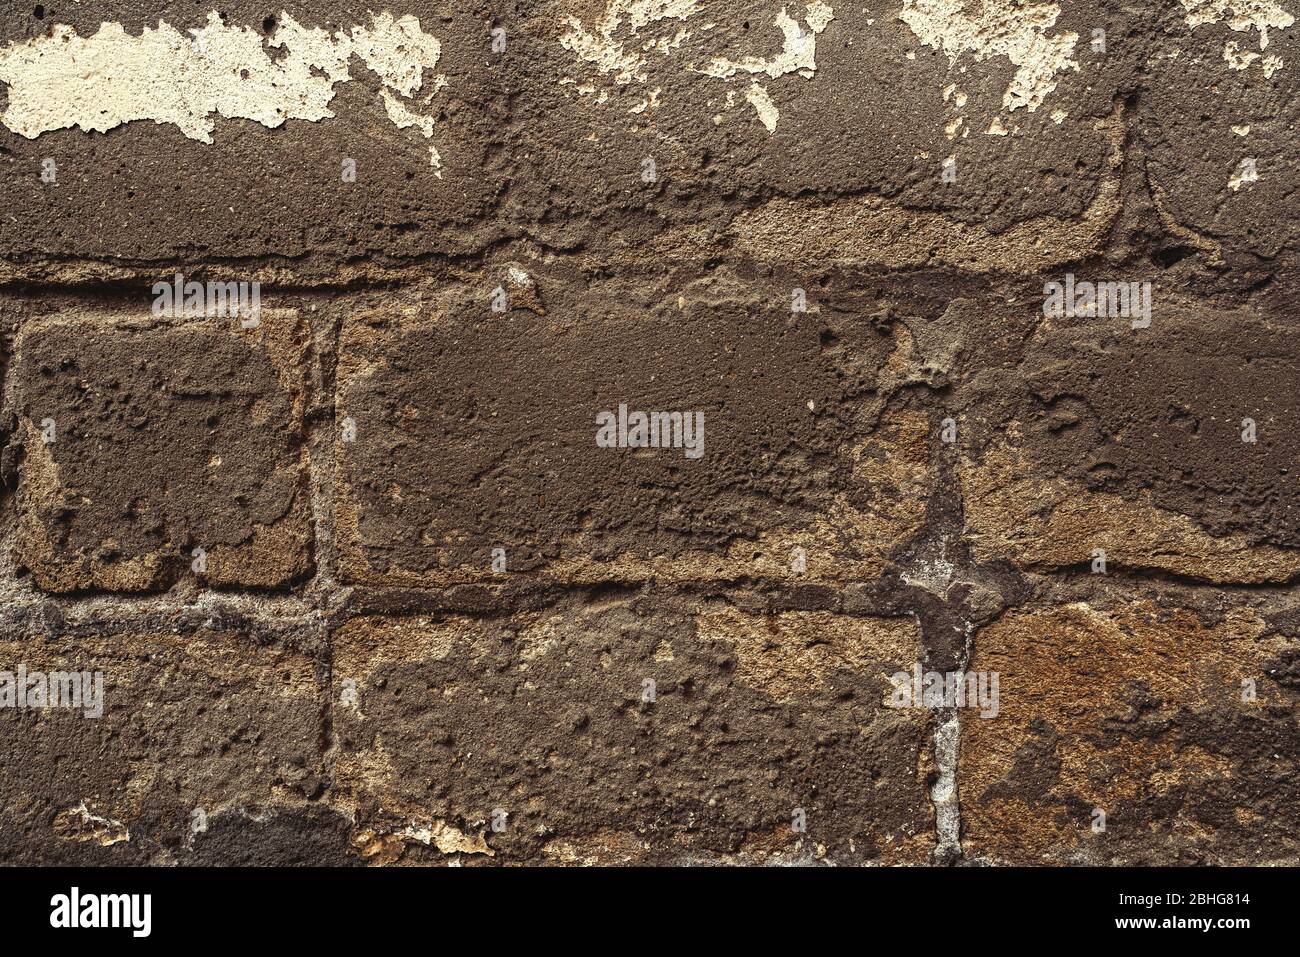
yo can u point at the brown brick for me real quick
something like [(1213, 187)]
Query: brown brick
[(441, 721), (193, 721), (1130, 441), (475, 430), (810, 175), (1223, 190), (211, 169), (167, 438)]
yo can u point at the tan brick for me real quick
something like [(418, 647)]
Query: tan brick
[(1134, 708)]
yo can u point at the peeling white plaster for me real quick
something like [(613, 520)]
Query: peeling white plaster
[(608, 55), (1238, 59), (615, 49), (1000, 28), (445, 837), (819, 15), (768, 114), (1245, 174), (101, 81), (1242, 16), (798, 51)]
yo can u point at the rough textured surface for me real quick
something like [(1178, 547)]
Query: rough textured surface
[(206, 739), (367, 586), (474, 430), (1134, 707), (143, 443), (753, 716)]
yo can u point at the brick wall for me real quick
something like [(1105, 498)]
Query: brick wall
[(375, 570)]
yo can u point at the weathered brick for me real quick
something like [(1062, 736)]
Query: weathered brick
[(826, 229), (475, 431), (200, 730), (1217, 123), (167, 438), (230, 143), (751, 113), (1135, 708), (439, 722), (1131, 441)]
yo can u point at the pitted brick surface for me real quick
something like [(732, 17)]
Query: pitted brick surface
[(200, 728), (144, 444), (687, 735), (474, 431)]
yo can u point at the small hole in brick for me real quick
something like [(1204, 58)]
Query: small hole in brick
[(1170, 255)]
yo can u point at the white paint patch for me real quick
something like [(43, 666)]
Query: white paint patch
[(1245, 174), (1000, 28), (616, 50), (768, 114), (1242, 16), (445, 837), (1238, 59), (610, 55), (101, 81), (819, 15), (798, 51)]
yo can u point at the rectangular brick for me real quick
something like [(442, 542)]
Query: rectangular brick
[(747, 120), (462, 431), (207, 751), (212, 136), (159, 450), (441, 721), (1133, 442), (1135, 709)]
